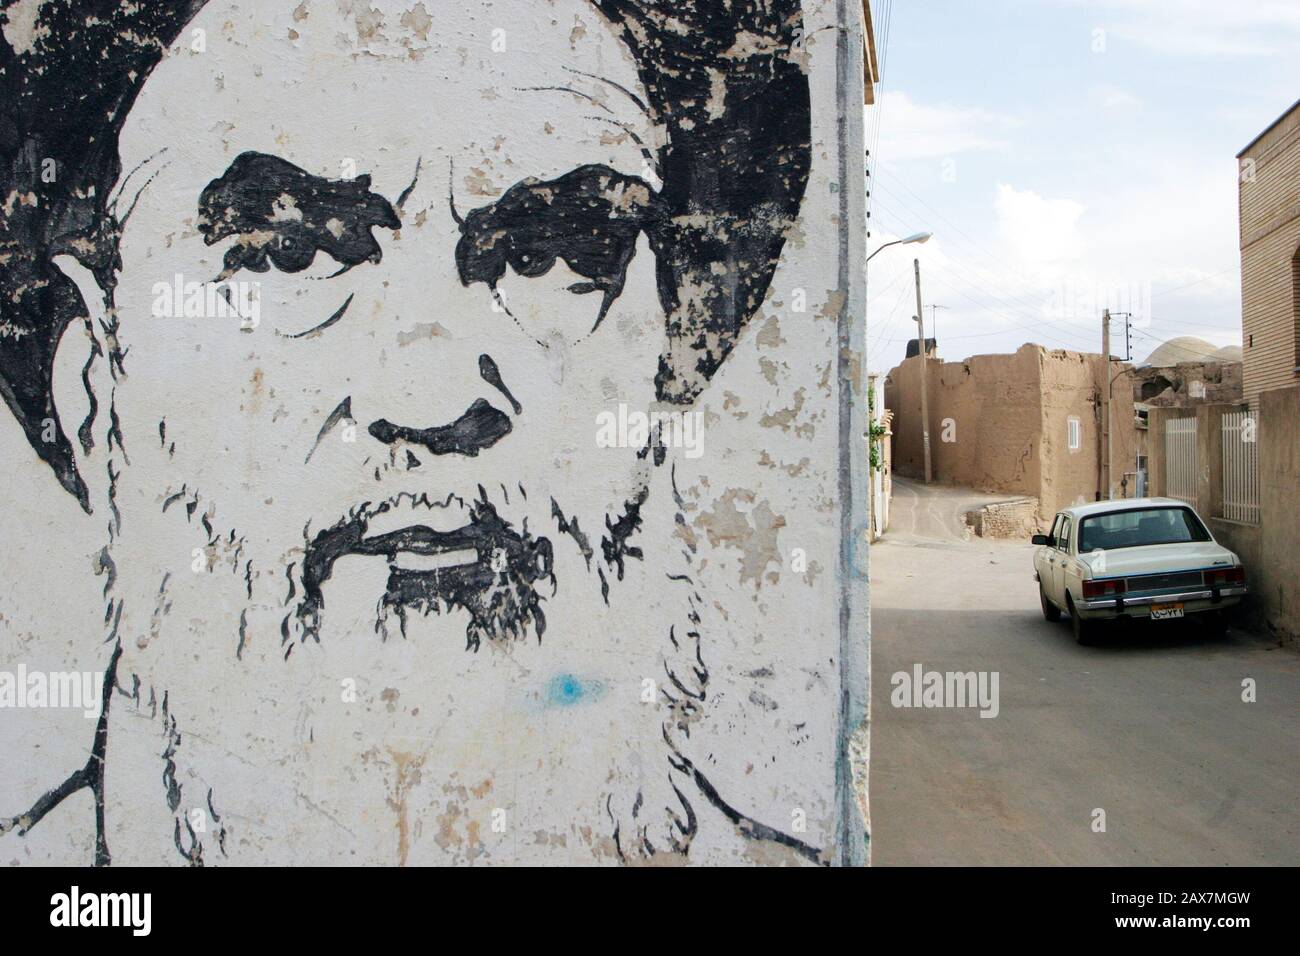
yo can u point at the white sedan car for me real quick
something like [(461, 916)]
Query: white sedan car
[(1137, 558)]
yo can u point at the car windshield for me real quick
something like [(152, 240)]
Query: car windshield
[(1134, 529)]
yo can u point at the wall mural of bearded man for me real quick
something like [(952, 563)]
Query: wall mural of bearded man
[(386, 350)]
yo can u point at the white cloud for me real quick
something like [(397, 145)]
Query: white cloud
[(911, 130), (1113, 98), (1037, 230), (1202, 27), (1032, 249), (1043, 267)]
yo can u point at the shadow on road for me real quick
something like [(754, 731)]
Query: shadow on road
[(1187, 743)]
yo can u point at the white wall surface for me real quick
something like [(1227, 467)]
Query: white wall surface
[(690, 696)]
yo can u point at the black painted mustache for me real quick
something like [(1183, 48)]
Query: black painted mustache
[(494, 541), (481, 426), (497, 589)]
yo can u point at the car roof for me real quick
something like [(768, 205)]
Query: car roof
[(1122, 504)]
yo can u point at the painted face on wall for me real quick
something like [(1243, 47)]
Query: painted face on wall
[(392, 300), (377, 392), (348, 435)]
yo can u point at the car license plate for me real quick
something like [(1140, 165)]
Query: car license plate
[(1163, 612)]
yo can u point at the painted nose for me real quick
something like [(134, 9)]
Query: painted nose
[(479, 427)]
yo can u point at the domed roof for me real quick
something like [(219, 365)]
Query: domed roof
[(1228, 353), (1182, 348)]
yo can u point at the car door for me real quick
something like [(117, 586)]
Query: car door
[(1043, 553), (1060, 558)]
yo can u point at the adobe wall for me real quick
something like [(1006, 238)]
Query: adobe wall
[(984, 424), (1001, 423)]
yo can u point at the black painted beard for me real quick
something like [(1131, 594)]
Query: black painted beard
[(444, 556), (485, 567)]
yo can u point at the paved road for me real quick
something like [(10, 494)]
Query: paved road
[(1151, 728)]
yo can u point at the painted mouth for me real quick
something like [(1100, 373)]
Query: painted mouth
[(482, 565)]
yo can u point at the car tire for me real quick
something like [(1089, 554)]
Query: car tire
[(1050, 610), (1085, 632)]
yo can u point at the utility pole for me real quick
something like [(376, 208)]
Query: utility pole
[(1104, 491), (934, 319), (925, 400), (1128, 344)]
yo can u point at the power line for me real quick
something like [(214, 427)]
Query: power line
[(877, 117), (1037, 331), (873, 205), (978, 248), (1024, 303), (889, 319), (1021, 305), (1183, 323), (1180, 288), (1040, 320), (1192, 355), (974, 246), (1041, 328), (1033, 316)]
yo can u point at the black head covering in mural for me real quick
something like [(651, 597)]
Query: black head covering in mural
[(724, 84), (722, 81), (64, 95)]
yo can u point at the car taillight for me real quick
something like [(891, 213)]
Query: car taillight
[(1107, 588), (1224, 577)]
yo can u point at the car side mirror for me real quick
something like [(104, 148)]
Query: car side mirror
[(1040, 539)]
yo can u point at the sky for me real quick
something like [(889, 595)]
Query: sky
[(1067, 155)]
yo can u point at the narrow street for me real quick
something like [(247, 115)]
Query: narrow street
[(1149, 727)]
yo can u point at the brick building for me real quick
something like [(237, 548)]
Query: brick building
[(1269, 207)]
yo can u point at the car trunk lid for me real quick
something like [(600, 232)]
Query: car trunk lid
[(1180, 562)]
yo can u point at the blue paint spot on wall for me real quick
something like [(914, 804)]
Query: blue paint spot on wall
[(566, 690)]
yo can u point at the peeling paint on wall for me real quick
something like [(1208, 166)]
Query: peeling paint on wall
[(348, 285)]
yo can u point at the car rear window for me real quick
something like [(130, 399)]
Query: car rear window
[(1135, 529)]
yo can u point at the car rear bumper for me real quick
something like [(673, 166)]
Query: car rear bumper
[(1204, 599)]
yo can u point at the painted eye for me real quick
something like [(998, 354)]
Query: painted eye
[(317, 329), (299, 304)]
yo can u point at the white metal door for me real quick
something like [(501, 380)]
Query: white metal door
[(1180, 459)]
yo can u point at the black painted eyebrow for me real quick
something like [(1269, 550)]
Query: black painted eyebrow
[(284, 214)]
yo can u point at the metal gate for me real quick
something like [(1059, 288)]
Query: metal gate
[(1180, 459), (1240, 467)]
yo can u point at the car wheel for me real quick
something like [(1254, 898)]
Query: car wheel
[(1050, 610), (1085, 633)]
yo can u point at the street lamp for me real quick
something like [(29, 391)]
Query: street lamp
[(925, 410), (915, 237)]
